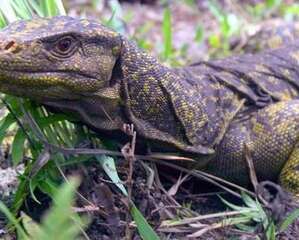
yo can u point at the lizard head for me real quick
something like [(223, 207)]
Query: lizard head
[(57, 58)]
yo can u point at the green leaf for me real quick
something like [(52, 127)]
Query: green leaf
[(37, 8), (108, 166), (273, 3), (248, 200), (61, 221), (48, 186), (199, 33), (214, 41), (13, 221), (232, 206), (115, 21), (31, 227), (3, 22), (145, 230), (271, 232), (17, 147), (32, 186), (50, 8), (5, 124), (215, 10), (289, 220), (60, 7), (21, 9), (167, 33), (8, 11), (53, 118)]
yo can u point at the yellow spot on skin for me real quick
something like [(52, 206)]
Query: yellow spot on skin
[(285, 95), (146, 88), (295, 55), (32, 24), (286, 72), (261, 68), (84, 22), (275, 42), (258, 128)]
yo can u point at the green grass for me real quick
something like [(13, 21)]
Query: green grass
[(60, 221), (167, 34)]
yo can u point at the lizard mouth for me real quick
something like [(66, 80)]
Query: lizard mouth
[(42, 84), (19, 72), (72, 81)]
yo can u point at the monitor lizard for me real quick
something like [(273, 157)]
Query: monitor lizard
[(209, 111)]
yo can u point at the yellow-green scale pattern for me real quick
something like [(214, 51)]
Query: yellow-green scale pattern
[(208, 111)]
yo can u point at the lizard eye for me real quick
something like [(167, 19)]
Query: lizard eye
[(65, 46)]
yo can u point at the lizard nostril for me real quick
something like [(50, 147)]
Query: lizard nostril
[(12, 46), (9, 45)]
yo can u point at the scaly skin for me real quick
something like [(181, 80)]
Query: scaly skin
[(207, 111), (272, 34)]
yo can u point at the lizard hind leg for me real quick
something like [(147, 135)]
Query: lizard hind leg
[(289, 176)]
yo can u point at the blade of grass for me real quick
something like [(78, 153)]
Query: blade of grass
[(37, 8), (145, 230), (2, 20), (21, 9), (6, 123), (17, 147), (108, 165), (8, 12), (167, 33), (60, 7), (13, 220), (291, 218)]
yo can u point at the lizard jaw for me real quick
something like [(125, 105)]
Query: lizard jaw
[(50, 84)]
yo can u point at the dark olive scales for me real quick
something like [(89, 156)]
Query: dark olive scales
[(207, 111)]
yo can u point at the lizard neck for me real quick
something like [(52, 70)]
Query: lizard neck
[(161, 104)]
